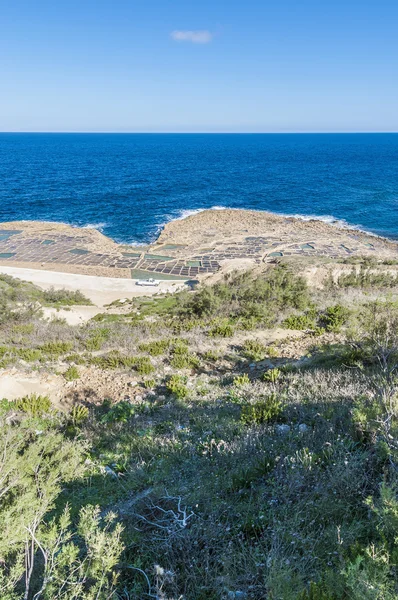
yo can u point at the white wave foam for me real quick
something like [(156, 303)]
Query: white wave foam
[(183, 214), (330, 220), (135, 244), (98, 226)]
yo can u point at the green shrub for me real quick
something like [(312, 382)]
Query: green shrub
[(33, 404), (254, 349), (83, 551), (316, 591), (96, 339), (263, 411), (143, 365), (241, 380), (72, 373), (55, 349), (113, 360), (78, 415), (252, 298), (272, 375), (149, 383), (185, 361), (222, 329), (249, 323), (65, 297), (335, 317), (177, 386), (119, 413), (180, 346), (272, 352), (367, 278), (94, 343), (299, 322), (25, 329), (29, 354), (156, 348)]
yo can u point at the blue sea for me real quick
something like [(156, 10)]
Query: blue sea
[(130, 185)]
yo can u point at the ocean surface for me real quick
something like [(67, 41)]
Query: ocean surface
[(130, 185)]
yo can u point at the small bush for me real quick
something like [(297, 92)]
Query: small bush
[(272, 352), (368, 278), (25, 329), (241, 380), (29, 354), (272, 375), (185, 361), (299, 322), (222, 329), (180, 346), (71, 373), (96, 339), (94, 343), (254, 349), (65, 297), (119, 413), (55, 349), (316, 591), (263, 411), (177, 386), (149, 384), (34, 405), (156, 348), (78, 415), (113, 360), (143, 365), (335, 317)]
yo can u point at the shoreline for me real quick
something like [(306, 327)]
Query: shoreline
[(339, 223), (193, 247)]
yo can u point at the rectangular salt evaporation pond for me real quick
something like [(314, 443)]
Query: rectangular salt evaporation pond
[(158, 257), (6, 254), (194, 263), (79, 251), (140, 274), (7, 233)]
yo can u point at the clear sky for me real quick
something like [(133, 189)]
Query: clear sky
[(203, 65)]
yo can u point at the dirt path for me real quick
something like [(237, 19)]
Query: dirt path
[(100, 290)]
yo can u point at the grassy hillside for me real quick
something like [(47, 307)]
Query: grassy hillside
[(254, 457)]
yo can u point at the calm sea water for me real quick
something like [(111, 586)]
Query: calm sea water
[(129, 185)]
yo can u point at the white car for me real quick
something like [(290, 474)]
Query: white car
[(150, 282)]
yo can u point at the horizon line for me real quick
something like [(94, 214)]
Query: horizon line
[(364, 132)]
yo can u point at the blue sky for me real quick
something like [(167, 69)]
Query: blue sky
[(179, 65)]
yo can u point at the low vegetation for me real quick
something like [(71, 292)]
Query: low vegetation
[(233, 468)]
